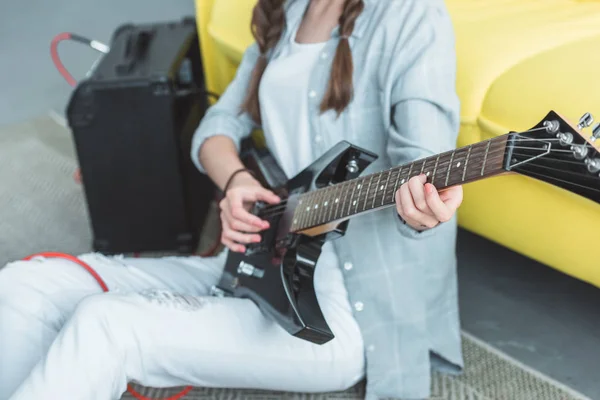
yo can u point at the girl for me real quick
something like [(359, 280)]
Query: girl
[(377, 73)]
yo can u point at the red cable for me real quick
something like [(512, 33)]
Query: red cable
[(71, 81), (177, 396), (76, 261), (104, 287), (56, 59)]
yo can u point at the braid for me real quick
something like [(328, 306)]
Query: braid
[(268, 20), (340, 90)]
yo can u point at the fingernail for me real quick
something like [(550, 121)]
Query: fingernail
[(428, 188)]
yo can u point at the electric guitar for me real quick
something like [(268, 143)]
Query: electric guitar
[(277, 273)]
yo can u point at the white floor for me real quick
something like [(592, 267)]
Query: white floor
[(541, 317)]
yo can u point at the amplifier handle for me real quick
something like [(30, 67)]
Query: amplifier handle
[(136, 46)]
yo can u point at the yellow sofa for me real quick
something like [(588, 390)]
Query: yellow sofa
[(517, 59)]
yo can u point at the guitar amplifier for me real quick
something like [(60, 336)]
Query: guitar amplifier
[(132, 121)]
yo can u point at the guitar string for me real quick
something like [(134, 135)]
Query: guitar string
[(549, 177), (518, 135), (514, 147), (474, 161), (371, 196), (589, 175), (563, 181)]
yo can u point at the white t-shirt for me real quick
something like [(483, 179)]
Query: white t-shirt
[(283, 96)]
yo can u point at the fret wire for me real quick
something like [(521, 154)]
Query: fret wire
[(361, 185), (457, 163), (387, 181), (311, 210), (336, 201), (376, 190), (455, 173), (303, 204), (437, 161), (449, 168), (311, 217), (327, 205), (332, 190), (398, 180), (339, 200), (299, 211), (306, 210), (466, 162), (347, 188), (316, 207), (424, 169), (321, 209), (395, 186), (486, 155), (323, 199), (440, 167), (351, 198), (367, 195), (410, 171)]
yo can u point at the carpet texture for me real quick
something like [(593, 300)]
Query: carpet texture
[(43, 209)]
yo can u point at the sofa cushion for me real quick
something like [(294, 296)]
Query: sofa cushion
[(517, 59)]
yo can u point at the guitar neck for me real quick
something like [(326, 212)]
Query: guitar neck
[(347, 199)]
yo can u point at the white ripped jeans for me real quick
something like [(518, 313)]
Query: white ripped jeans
[(62, 338)]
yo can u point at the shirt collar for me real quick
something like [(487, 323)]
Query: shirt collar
[(295, 11)]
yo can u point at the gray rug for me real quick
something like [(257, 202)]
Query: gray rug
[(43, 209)]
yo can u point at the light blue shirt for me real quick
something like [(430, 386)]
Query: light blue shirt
[(402, 283)]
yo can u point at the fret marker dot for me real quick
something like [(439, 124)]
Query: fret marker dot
[(403, 180), (316, 206), (381, 188), (354, 203), (428, 173), (359, 186), (326, 203), (300, 202), (307, 208), (295, 221), (457, 165), (337, 200)]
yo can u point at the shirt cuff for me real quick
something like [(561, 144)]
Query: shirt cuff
[(408, 231)]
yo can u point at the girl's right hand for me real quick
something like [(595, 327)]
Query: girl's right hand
[(239, 226)]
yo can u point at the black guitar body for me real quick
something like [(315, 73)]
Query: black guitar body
[(277, 274)]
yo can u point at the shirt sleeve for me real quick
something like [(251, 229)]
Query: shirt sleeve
[(425, 109), (225, 117)]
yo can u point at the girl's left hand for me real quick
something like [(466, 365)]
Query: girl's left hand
[(422, 207)]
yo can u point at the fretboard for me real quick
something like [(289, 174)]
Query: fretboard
[(363, 194)]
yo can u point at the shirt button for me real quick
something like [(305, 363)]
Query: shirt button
[(371, 347), (323, 56), (347, 266), (312, 94), (318, 139), (359, 306)]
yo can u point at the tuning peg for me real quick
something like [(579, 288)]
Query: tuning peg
[(596, 132), (586, 120)]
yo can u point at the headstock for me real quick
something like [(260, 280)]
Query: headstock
[(560, 153)]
